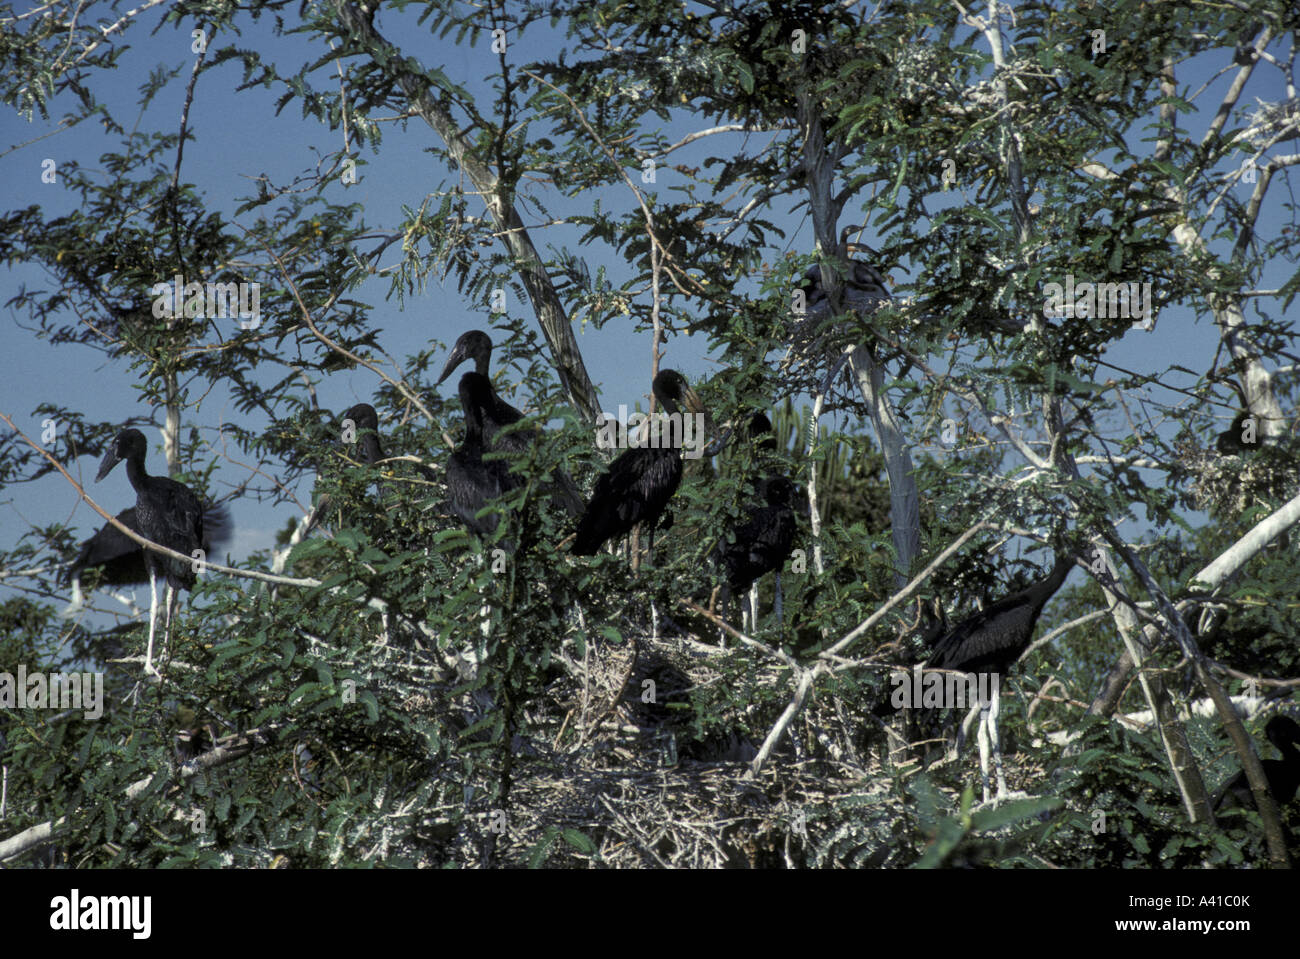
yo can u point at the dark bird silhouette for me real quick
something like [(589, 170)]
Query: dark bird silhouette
[(168, 513), (118, 559), (477, 346), (1241, 437), (1283, 774), (497, 414), (637, 486), (471, 480), (763, 541), (365, 424), (114, 559), (990, 642), (864, 288)]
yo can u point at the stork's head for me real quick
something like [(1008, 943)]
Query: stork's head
[(473, 345), (127, 445)]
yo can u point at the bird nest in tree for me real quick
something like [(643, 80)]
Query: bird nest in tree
[(608, 775), (1231, 484)]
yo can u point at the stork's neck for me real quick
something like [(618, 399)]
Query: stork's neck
[(371, 452), (1042, 591), (135, 472), (473, 425)]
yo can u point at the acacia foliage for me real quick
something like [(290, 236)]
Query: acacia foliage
[(373, 745)]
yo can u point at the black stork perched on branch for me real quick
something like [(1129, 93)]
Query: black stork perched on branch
[(1283, 774), (497, 414), (864, 288), (990, 642), (168, 513), (365, 426), (117, 560), (637, 486), (471, 480), (763, 541), (360, 431)]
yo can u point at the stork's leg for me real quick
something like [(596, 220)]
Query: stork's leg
[(997, 743), (153, 620), (485, 610), (724, 610), (173, 599), (983, 738), (753, 606)]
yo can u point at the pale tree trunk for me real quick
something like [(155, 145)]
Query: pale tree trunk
[(819, 162), (546, 302), (171, 434)]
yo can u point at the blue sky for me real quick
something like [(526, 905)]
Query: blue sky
[(239, 137)]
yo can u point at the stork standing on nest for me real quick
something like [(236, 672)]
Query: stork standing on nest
[(991, 641), (637, 486), (496, 414)]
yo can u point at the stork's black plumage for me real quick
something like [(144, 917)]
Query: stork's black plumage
[(994, 638), (496, 414), (1241, 437), (637, 486), (118, 560), (471, 480), (763, 543), (365, 422), (477, 346), (990, 642), (864, 288), (168, 513), (1283, 774)]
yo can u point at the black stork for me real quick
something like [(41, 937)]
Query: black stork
[(497, 414), (990, 642), (117, 560), (471, 480), (864, 289), (365, 427), (1283, 774), (637, 486), (762, 543), (168, 513), (1241, 437)]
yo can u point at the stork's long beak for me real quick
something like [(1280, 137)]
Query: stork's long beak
[(106, 465), (459, 355), (691, 400)]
